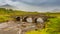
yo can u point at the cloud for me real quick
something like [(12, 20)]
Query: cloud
[(33, 2), (45, 5), (34, 5), (40, 2), (2, 2)]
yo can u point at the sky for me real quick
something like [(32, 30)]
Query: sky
[(33, 5)]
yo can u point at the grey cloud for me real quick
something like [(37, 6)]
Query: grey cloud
[(40, 2), (43, 5)]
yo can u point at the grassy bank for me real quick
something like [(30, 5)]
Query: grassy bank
[(51, 27)]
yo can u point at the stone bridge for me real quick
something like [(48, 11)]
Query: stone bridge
[(32, 18), (24, 23), (39, 20)]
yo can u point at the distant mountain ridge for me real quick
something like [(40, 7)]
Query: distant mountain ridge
[(55, 11), (7, 6)]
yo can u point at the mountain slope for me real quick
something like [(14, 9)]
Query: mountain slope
[(7, 6)]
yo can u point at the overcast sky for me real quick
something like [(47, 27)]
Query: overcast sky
[(33, 5)]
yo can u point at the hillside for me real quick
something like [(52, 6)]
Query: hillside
[(51, 27), (7, 13)]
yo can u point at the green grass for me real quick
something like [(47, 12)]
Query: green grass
[(52, 27), (6, 14)]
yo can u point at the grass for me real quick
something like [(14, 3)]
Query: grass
[(51, 27), (6, 14)]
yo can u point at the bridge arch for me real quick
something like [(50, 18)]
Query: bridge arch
[(31, 18), (28, 19), (39, 20), (17, 18)]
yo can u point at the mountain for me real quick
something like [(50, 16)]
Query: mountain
[(54, 11), (7, 6)]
